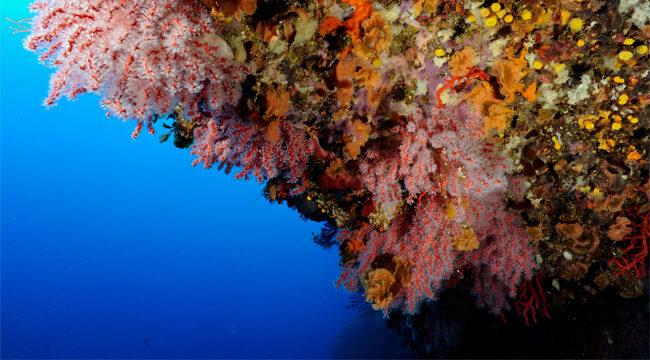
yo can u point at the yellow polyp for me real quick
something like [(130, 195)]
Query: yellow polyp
[(565, 16), (634, 120), (559, 67), (634, 155), (537, 64), (376, 62), (581, 43), (495, 7), (616, 126), (589, 125), (501, 14), (308, 198), (622, 100), (526, 15), (625, 55), (619, 79), (641, 49), (471, 18), (485, 12), (439, 52), (575, 24), (508, 18), (628, 41), (491, 21), (596, 191), (556, 143)]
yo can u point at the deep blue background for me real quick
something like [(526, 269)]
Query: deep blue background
[(120, 248)]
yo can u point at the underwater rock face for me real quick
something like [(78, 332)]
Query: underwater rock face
[(495, 149)]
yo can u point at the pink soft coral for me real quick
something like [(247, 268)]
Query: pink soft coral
[(143, 57)]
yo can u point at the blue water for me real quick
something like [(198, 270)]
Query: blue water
[(119, 248)]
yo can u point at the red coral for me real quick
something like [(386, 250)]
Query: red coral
[(634, 257), (231, 142), (143, 57), (531, 298)]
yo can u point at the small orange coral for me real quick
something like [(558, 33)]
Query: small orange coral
[(462, 61), (272, 132), (358, 134), (573, 231), (495, 114), (535, 233), (497, 117), (429, 6), (620, 229), (362, 10), (509, 74), (367, 77), (377, 286), (344, 73), (467, 240), (277, 103), (385, 281), (612, 203), (377, 36), (232, 7)]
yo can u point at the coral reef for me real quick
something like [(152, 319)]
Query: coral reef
[(496, 149)]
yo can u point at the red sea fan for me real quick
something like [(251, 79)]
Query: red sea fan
[(230, 141), (143, 57), (445, 161)]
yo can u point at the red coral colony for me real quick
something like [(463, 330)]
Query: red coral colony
[(494, 151)]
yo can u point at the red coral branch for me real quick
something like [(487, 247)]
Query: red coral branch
[(531, 298), (449, 84), (634, 259)]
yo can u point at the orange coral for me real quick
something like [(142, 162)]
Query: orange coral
[(612, 203), (363, 10), (529, 93), (462, 61), (367, 77), (358, 136), (378, 287), (277, 103), (383, 283), (272, 132), (510, 71), (574, 231), (232, 7), (429, 6), (467, 240), (377, 36), (495, 113), (345, 70), (535, 233), (620, 229), (497, 117)]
